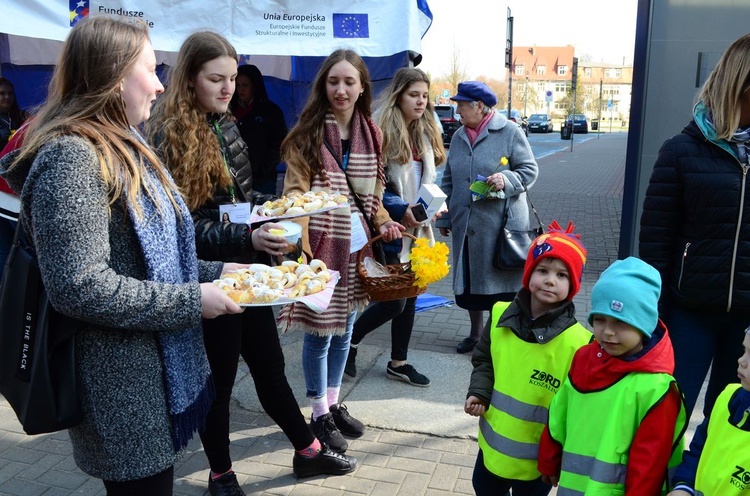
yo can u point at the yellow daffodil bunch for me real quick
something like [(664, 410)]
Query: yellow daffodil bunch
[(503, 161), (429, 263)]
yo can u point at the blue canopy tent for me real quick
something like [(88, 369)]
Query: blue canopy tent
[(275, 37)]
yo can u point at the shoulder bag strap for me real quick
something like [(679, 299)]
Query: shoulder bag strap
[(528, 200), (357, 199)]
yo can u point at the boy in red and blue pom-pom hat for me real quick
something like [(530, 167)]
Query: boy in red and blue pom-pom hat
[(520, 362)]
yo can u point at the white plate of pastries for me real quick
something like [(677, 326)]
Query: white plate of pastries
[(263, 285), (300, 205)]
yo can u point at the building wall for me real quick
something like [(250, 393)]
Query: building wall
[(677, 46), (550, 69)]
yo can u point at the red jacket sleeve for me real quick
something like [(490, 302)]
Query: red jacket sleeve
[(550, 454), (652, 448), (14, 143)]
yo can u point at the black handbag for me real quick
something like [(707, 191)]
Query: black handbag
[(512, 247), (37, 353)]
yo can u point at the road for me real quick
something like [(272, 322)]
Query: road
[(542, 145)]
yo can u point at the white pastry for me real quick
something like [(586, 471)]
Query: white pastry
[(318, 265)]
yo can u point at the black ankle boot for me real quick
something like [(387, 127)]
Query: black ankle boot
[(324, 428), (225, 485), (326, 462), (348, 425)]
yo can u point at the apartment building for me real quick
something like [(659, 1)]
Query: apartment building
[(542, 80)]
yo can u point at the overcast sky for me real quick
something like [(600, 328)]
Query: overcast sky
[(477, 28)]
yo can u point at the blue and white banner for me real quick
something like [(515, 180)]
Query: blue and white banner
[(256, 27)]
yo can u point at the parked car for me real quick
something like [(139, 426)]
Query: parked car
[(540, 123), (449, 120), (580, 123), (516, 117)]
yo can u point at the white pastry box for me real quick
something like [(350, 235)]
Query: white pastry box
[(432, 198)]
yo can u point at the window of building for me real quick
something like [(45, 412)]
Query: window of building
[(560, 106), (519, 70), (562, 70), (562, 87), (587, 72), (618, 73), (541, 87), (541, 69), (607, 73)]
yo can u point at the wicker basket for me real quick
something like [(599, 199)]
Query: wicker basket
[(399, 284)]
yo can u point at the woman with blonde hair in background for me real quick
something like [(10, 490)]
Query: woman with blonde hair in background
[(116, 250), (694, 230), (195, 134), (335, 147), (412, 148)]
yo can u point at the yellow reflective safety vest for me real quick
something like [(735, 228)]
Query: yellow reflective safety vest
[(595, 459), (724, 465), (527, 376)]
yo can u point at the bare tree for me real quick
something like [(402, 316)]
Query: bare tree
[(500, 88), (457, 71)]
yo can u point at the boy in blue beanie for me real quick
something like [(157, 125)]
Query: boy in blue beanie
[(718, 461), (617, 422)]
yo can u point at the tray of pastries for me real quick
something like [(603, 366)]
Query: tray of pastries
[(301, 205), (264, 285)]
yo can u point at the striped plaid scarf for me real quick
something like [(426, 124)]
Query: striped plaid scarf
[(330, 233)]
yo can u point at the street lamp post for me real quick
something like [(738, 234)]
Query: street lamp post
[(525, 96), (509, 57)]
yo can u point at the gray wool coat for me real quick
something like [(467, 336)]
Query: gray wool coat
[(479, 222), (93, 269)]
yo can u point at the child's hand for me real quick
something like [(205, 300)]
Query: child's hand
[(474, 406), (552, 480), (679, 492)]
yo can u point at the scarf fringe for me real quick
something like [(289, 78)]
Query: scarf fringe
[(186, 423)]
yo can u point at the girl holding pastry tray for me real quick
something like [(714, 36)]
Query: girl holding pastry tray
[(194, 132)]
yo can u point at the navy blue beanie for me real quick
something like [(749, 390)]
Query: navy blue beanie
[(628, 290)]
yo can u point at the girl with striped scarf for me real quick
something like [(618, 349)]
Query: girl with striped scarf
[(335, 147)]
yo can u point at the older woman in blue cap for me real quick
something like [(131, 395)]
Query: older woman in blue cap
[(478, 148)]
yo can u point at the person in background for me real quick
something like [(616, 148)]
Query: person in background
[(335, 147), (717, 462), (537, 333), (116, 250), (11, 115), (10, 206), (11, 119), (261, 124), (194, 132), (695, 229), (412, 148), (477, 148), (616, 424)]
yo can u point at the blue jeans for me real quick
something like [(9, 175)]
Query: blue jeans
[(702, 340), (7, 231), (324, 358), (488, 484)]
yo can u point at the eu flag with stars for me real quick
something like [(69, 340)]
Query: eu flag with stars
[(78, 10), (350, 26)]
